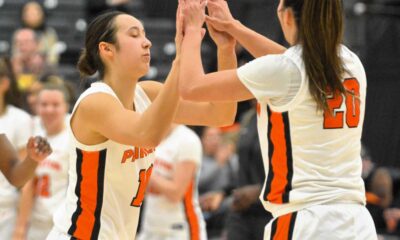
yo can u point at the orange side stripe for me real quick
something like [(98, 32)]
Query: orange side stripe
[(282, 229), (85, 222), (279, 159), (191, 214)]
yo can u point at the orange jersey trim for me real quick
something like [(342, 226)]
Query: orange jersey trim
[(191, 215), (282, 228), (280, 174), (90, 167)]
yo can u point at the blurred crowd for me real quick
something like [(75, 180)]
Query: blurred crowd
[(35, 100)]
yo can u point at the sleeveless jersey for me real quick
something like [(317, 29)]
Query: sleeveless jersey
[(51, 176), (107, 182), (16, 124), (310, 156), (163, 217)]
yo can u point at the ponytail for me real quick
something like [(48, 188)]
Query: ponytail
[(320, 33)]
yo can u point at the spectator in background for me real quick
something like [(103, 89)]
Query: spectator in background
[(33, 17), (392, 218), (16, 124), (218, 174), (379, 190), (27, 61)]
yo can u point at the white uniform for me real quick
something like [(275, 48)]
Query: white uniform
[(51, 184), (162, 219), (16, 124), (106, 186), (311, 159)]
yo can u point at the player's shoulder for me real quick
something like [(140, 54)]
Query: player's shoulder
[(187, 135), (18, 113), (151, 88)]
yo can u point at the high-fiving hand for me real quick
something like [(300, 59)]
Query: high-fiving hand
[(194, 13), (220, 16), (218, 11)]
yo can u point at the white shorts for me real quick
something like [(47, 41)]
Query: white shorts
[(327, 222), (39, 230)]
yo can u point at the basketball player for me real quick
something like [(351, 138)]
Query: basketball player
[(52, 174), (172, 210), (311, 109), (115, 126)]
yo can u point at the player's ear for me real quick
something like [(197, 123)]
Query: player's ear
[(106, 49)]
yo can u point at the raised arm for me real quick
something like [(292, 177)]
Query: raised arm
[(207, 113), (195, 85), (103, 115), (257, 44)]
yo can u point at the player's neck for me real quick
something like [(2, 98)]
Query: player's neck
[(124, 87), (52, 131)]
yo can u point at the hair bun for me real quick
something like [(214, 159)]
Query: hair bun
[(85, 65)]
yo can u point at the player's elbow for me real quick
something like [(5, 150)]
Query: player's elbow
[(15, 181)]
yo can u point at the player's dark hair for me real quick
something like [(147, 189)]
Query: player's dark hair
[(320, 33), (101, 29), (12, 95)]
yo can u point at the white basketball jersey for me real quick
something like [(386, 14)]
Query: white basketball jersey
[(312, 157), (16, 124), (107, 182), (51, 177), (162, 216)]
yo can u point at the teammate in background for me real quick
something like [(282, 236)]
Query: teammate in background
[(19, 172), (115, 126), (15, 123), (311, 104), (50, 185), (172, 210)]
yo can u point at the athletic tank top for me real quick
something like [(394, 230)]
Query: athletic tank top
[(107, 182), (310, 156), (163, 217)]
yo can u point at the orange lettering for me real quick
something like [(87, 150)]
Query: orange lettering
[(127, 154), (142, 152), (144, 177)]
